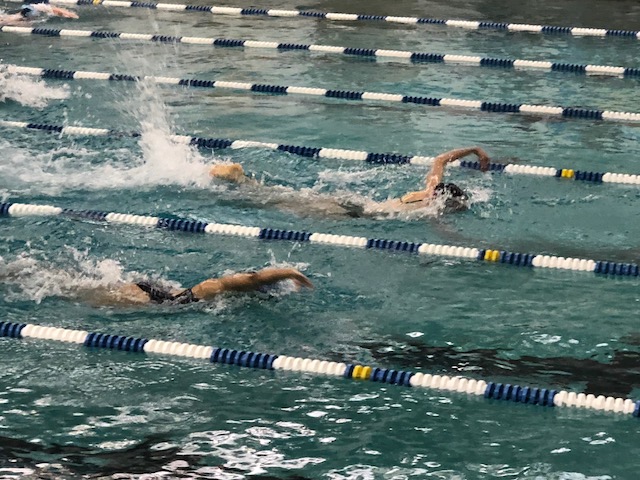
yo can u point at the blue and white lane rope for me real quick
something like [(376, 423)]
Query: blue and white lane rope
[(491, 390), (349, 95), (353, 17), (342, 154), (399, 55), (195, 226)]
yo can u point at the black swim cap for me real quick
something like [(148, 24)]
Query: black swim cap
[(33, 2), (28, 11), (455, 198), (450, 189)]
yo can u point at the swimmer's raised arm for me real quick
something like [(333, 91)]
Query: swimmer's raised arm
[(248, 282), (436, 174)]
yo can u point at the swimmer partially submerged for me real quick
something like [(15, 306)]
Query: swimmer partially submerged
[(455, 199), (32, 9), (149, 293)]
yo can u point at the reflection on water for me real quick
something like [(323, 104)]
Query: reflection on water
[(155, 457), (616, 378)]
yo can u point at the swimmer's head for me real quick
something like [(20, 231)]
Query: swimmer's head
[(455, 199), (229, 172), (33, 8), (29, 11)]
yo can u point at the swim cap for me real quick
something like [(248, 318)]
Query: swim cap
[(29, 11), (450, 189), (455, 198)]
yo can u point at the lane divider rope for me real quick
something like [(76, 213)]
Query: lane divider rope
[(490, 390), (353, 17), (611, 269), (414, 57), (349, 95), (342, 154)]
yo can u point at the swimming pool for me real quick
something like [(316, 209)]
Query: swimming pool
[(70, 411)]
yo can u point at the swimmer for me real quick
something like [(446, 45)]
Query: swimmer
[(32, 9), (455, 199), (40, 281), (141, 293)]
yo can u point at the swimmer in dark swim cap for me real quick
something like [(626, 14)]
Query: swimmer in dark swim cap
[(120, 292), (455, 199), (148, 292), (32, 9)]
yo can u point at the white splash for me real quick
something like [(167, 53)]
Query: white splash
[(162, 162), (27, 90), (39, 279)]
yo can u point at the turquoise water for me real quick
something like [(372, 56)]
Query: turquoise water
[(67, 412)]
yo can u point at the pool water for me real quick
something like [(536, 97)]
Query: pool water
[(70, 412)]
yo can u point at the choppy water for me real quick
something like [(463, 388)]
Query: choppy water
[(66, 412)]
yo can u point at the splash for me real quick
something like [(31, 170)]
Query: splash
[(28, 91), (479, 194), (37, 279), (162, 161)]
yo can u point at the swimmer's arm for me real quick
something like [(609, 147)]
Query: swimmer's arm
[(436, 174), (63, 12), (248, 282)]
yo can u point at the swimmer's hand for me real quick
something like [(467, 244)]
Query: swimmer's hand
[(299, 279), (413, 197), (231, 173), (484, 159)]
